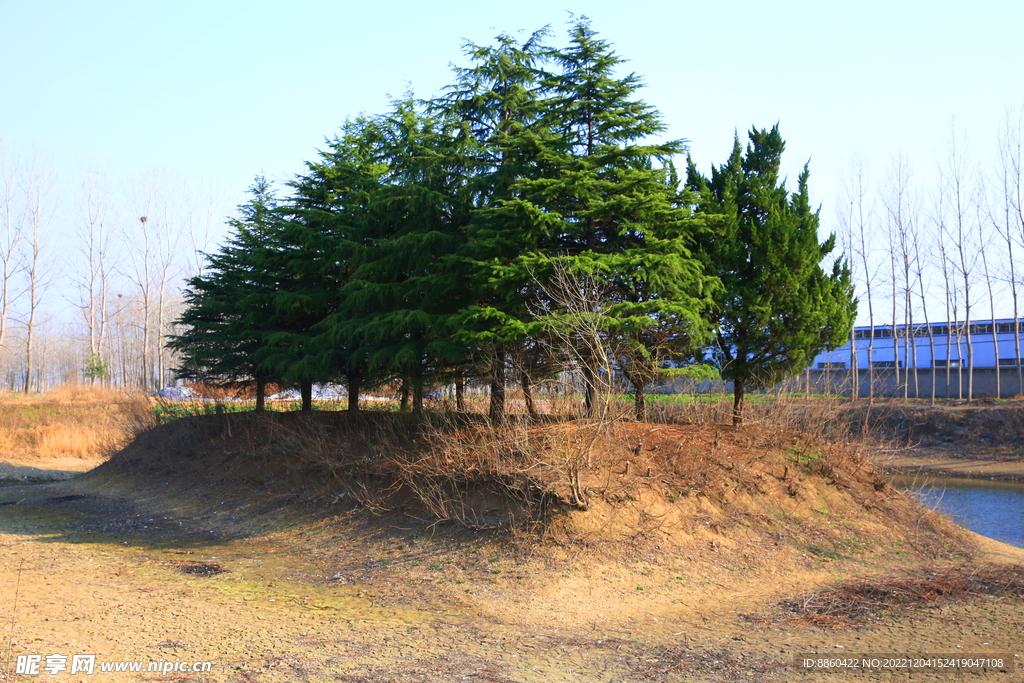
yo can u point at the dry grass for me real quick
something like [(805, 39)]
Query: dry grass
[(950, 422), (789, 471), (70, 421), (862, 599)]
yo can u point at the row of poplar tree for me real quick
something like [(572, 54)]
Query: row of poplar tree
[(444, 241)]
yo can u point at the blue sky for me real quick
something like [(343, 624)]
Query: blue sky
[(218, 92)]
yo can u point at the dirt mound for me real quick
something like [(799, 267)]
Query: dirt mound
[(708, 487)]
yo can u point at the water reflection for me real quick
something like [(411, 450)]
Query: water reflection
[(990, 508)]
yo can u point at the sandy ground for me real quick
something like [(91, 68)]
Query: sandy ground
[(84, 571)]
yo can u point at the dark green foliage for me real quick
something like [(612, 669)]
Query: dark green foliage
[(96, 369), (780, 307), (382, 214), (332, 227), (228, 314), (452, 240), (594, 203), (497, 103)]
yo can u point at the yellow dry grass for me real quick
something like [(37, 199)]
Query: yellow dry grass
[(70, 421)]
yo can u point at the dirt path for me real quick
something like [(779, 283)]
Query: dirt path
[(35, 469), (140, 582)]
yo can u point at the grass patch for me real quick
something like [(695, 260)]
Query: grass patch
[(69, 421)]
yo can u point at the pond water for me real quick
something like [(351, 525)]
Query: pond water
[(990, 508)]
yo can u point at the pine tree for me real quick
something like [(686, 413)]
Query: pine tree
[(497, 102), (225, 320), (595, 202), (303, 297), (332, 220), (392, 220), (780, 308), (410, 279)]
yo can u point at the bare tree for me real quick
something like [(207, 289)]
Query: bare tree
[(143, 266), (198, 208), (984, 246), (901, 214), (964, 257), (900, 217), (574, 315), (167, 249), (37, 192), (93, 276), (1011, 222), (846, 237), (919, 279), (146, 257), (860, 218), (949, 290), (12, 232)]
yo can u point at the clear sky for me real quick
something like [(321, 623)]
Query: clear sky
[(221, 91)]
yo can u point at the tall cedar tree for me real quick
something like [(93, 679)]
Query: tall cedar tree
[(332, 211), (307, 291), (497, 100), (780, 307), (389, 215), (225, 321), (595, 203), (408, 285)]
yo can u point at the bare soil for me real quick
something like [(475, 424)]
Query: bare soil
[(208, 556)]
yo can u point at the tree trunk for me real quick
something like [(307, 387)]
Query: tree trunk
[(417, 397), (737, 402), (949, 342), (960, 361), (460, 394), (261, 393), (995, 345), (639, 400), (497, 409), (854, 370), (306, 389), (28, 348), (589, 390), (871, 354), (354, 382), (524, 380)]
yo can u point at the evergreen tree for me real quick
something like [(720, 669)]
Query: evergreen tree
[(594, 201), (780, 308), (226, 320), (332, 221), (303, 297), (396, 216), (497, 102), (411, 282)]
